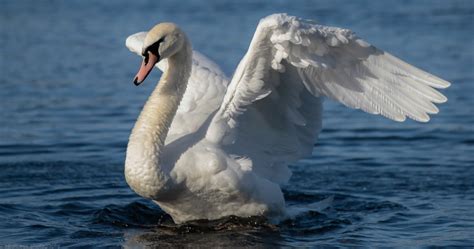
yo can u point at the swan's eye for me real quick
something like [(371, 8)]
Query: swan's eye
[(153, 48), (146, 58)]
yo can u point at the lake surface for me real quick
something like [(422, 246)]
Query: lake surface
[(68, 105)]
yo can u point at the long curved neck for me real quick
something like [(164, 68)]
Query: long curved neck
[(144, 171)]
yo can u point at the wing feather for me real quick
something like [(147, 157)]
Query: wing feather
[(271, 112)]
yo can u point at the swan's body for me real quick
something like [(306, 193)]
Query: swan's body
[(204, 147)]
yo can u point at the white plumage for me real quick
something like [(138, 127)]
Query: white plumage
[(229, 143)]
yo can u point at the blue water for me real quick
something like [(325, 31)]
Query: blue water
[(68, 104)]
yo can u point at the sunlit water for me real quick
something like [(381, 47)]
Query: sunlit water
[(68, 104)]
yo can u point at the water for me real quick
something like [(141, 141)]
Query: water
[(68, 104)]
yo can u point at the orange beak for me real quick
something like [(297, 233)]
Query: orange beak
[(145, 69)]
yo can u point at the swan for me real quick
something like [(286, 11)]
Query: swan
[(206, 146)]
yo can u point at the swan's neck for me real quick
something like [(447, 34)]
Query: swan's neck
[(144, 170)]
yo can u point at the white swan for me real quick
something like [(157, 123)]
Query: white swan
[(204, 148)]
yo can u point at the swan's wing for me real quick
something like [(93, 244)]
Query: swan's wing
[(204, 93), (271, 112)]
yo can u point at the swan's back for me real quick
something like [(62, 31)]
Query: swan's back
[(205, 91)]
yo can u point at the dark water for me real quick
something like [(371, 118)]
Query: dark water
[(68, 104)]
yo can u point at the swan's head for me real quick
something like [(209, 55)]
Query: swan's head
[(162, 41)]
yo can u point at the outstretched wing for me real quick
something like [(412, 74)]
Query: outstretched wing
[(271, 112), (205, 91)]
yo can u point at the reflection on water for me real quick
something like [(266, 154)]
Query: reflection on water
[(227, 232)]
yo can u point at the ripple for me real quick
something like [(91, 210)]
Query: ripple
[(64, 129), (135, 214)]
